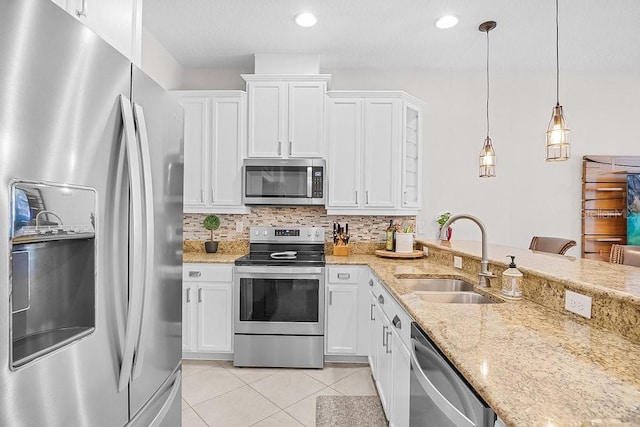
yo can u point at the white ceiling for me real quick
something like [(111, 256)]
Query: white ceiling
[(400, 34)]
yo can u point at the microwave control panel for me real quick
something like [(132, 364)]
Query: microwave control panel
[(317, 182)]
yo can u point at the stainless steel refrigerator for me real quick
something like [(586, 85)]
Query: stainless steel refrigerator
[(90, 229)]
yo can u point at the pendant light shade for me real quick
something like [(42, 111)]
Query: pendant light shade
[(487, 155), (487, 160), (558, 132)]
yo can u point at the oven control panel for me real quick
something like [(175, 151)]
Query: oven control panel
[(286, 234)]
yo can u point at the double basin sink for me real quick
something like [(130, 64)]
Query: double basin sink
[(440, 290)]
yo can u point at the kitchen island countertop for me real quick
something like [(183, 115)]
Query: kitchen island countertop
[(534, 365)]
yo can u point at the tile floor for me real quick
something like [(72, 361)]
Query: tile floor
[(215, 393)]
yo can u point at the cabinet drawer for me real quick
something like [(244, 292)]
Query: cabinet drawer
[(207, 273), (600, 245), (597, 256), (592, 190), (610, 222), (619, 204), (343, 275)]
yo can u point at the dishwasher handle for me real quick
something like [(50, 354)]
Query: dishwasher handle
[(446, 407)]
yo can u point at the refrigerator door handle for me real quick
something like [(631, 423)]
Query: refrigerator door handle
[(148, 254), (136, 274)]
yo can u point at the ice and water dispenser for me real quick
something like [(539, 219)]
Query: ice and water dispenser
[(53, 268)]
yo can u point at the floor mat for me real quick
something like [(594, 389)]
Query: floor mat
[(352, 411)]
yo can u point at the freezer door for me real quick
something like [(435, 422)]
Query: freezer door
[(60, 121), (159, 128)]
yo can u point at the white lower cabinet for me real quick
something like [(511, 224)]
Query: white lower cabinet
[(207, 308), (347, 314), (390, 333)]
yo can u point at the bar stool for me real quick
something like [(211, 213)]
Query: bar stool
[(554, 245), (625, 254)]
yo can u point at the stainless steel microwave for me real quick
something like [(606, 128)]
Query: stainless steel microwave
[(283, 182)]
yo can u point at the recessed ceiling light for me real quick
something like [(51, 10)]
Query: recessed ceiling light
[(306, 19), (446, 21)]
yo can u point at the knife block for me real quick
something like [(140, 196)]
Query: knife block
[(341, 250)]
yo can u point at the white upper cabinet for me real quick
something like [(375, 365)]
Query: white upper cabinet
[(214, 147), (374, 153), (286, 115), (118, 22)]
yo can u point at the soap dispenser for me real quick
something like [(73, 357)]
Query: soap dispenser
[(512, 281)]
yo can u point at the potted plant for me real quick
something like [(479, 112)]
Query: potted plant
[(441, 220), (211, 223)]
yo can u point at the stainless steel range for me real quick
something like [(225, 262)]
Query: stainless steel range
[(279, 299)]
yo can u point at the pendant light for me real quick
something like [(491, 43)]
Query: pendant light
[(558, 132), (487, 155)]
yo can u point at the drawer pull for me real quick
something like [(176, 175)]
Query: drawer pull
[(371, 311), (188, 294), (344, 276), (397, 322), (195, 273), (610, 239), (610, 189)]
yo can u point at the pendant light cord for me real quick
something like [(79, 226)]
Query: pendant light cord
[(488, 83), (557, 59)]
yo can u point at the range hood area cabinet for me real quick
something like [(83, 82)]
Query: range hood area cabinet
[(286, 115), (374, 154), (214, 148)]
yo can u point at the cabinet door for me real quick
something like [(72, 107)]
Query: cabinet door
[(215, 329), (411, 157), (343, 164), (227, 141), (401, 368), (189, 317), (381, 152), (306, 119), (342, 319), (385, 374), (373, 335), (195, 151), (267, 119)]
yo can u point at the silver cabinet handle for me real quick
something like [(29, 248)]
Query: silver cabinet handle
[(370, 282), (137, 235), (149, 230), (202, 195), (396, 322), (381, 299), (609, 239), (83, 9), (384, 336), (388, 345), (279, 148), (344, 276), (330, 297), (356, 197), (199, 294), (366, 197), (290, 147), (371, 317), (188, 294), (213, 195), (195, 273), (610, 189)]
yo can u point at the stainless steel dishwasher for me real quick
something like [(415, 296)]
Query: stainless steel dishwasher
[(439, 395)]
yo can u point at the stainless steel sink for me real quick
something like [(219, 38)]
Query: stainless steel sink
[(436, 285), (454, 297)]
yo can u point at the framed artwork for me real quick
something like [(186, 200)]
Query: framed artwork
[(633, 209)]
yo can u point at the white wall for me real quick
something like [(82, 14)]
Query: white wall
[(159, 64), (529, 196)]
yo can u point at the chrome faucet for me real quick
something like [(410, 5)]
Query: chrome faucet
[(485, 274)]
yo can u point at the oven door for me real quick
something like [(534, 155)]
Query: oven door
[(279, 300)]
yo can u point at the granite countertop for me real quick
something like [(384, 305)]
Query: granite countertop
[(534, 365)]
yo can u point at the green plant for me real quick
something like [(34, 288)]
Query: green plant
[(211, 223), (443, 217)]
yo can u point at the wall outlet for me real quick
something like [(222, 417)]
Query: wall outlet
[(239, 226), (457, 262), (577, 303)]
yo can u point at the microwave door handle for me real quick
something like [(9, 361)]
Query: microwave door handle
[(149, 254), (136, 274), (446, 407), (309, 181)]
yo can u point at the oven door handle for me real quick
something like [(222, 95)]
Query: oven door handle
[(275, 270)]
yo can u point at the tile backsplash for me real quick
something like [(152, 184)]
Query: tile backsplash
[(363, 228)]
